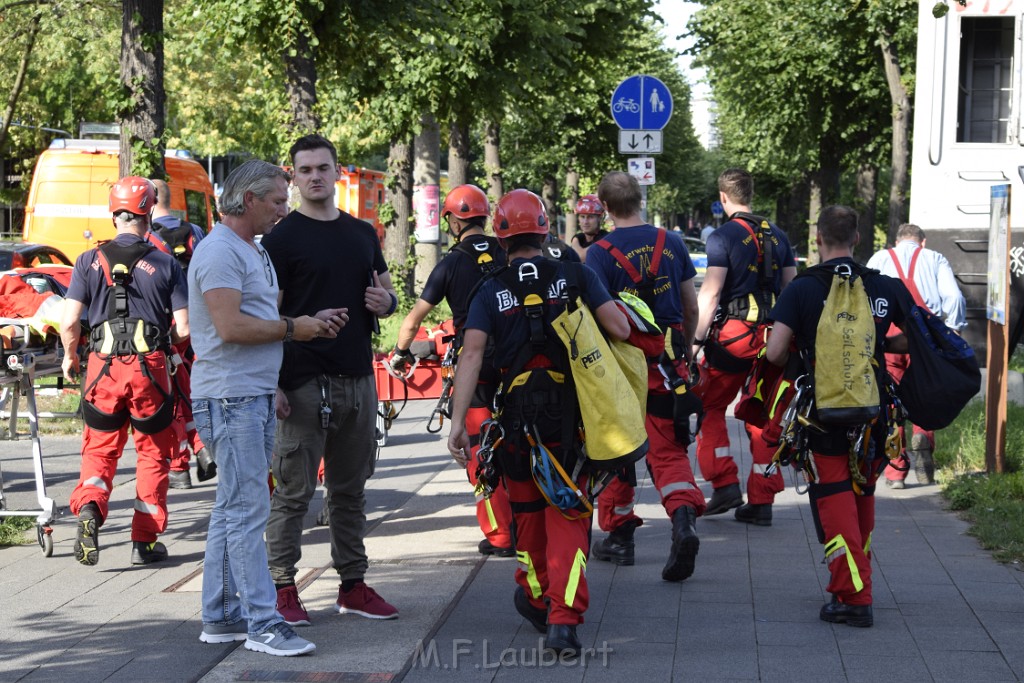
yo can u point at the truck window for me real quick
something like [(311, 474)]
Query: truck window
[(986, 80), (196, 203)]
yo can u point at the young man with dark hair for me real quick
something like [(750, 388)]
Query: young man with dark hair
[(653, 264), (327, 397), (844, 518), (749, 262)]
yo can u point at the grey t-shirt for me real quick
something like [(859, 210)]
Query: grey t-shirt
[(223, 260)]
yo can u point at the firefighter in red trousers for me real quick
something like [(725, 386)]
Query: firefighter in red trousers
[(844, 514), (537, 413), (749, 262), (474, 256), (129, 292), (654, 265)]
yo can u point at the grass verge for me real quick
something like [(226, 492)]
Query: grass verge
[(12, 530), (992, 503)]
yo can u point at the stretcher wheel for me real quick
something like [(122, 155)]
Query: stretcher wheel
[(45, 536)]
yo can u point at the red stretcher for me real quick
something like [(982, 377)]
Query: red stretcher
[(430, 377)]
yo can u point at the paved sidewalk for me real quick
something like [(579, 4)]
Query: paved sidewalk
[(944, 610)]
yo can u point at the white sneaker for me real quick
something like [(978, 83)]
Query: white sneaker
[(225, 633), (279, 640)]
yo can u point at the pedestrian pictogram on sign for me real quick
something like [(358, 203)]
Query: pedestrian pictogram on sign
[(642, 168), (641, 103)]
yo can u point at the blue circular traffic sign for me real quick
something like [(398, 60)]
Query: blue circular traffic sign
[(641, 103)]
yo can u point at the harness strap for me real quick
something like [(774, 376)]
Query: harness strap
[(908, 279), (634, 274)]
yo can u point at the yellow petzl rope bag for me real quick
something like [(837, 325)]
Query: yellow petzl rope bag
[(845, 387), (612, 413)]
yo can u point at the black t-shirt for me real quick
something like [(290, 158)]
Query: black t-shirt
[(326, 264), (581, 238), (800, 305), (459, 272), (732, 246)]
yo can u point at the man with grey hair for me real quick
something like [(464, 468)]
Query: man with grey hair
[(233, 297), (930, 279)]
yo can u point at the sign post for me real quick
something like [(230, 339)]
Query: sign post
[(997, 359), (641, 106)]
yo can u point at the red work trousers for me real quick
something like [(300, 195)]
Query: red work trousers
[(717, 390), (125, 386), (184, 425), (615, 505), (552, 554), (847, 521), (898, 364), (493, 514)]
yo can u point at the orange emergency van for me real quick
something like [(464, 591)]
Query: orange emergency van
[(67, 203), (360, 192)]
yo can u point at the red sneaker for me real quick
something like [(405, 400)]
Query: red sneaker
[(365, 602), (290, 607)]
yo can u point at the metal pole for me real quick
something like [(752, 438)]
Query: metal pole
[(643, 202)]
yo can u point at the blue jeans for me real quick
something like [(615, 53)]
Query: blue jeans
[(236, 581)]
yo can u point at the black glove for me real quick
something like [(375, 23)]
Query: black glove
[(401, 361)]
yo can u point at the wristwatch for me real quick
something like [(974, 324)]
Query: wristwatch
[(289, 329)]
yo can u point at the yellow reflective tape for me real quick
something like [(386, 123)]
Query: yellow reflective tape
[(490, 515), (140, 338), (578, 571), (526, 564), (783, 385), (108, 339), (867, 546), (836, 548)]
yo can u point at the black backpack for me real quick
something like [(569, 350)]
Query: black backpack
[(943, 375)]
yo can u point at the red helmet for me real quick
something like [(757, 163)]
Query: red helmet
[(590, 205), (520, 212), (466, 201), (133, 194)]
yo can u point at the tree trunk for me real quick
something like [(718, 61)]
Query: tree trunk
[(549, 195), (867, 201), (492, 161), (426, 174), (19, 80), (901, 109), (458, 154), (814, 208), (572, 195), (142, 77), (399, 228), (300, 84)]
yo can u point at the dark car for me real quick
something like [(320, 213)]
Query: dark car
[(28, 255)]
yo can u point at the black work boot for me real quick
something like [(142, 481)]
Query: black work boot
[(87, 543), (206, 464), (562, 639), (535, 615), (148, 553), (920, 453), (618, 547), (724, 499), (837, 612), (758, 514), (683, 557)]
